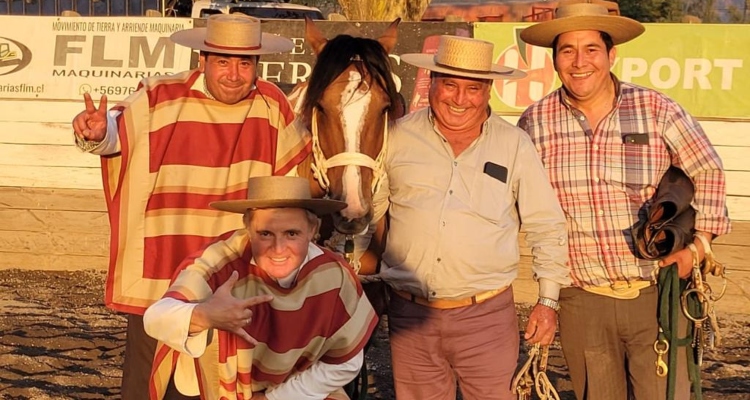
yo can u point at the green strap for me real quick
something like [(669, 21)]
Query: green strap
[(670, 289)]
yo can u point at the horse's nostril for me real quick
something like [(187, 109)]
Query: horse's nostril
[(349, 226)]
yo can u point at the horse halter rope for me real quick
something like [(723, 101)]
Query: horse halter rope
[(321, 164), (533, 374)]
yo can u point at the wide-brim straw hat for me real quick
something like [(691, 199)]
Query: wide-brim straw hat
[(232, 34), (279, 192), (582, 17), (465, 57)]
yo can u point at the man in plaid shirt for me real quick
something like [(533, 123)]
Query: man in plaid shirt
[(606, 145)]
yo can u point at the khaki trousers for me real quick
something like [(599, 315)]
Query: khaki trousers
[(475, 346), (608, 346)]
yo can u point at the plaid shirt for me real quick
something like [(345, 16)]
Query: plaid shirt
[(605, 176)]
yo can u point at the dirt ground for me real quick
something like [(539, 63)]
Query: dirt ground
[(58, 341)]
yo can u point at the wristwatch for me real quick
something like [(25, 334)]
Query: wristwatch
[(86, 145), (547, 302)]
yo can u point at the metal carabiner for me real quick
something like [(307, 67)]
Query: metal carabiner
[(661, 366)]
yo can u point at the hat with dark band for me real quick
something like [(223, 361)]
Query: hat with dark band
[(279, 192), (464, 57), (582, 16), (232, 34)]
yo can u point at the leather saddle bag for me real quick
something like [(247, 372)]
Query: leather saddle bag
[(670, 223)]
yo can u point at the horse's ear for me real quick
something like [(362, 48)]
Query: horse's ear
[(314, 37), (389, 37)]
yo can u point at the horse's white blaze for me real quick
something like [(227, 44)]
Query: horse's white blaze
[(354, 105)]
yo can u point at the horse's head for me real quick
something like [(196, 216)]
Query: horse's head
[(348, 103)]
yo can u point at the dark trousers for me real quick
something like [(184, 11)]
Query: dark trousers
[(136, 368), (608, 345)]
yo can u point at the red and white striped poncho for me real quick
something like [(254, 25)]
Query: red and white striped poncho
[(324, 316), (180, 151)]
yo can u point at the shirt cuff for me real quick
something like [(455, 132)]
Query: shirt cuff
[(168, 321), (549, 289)]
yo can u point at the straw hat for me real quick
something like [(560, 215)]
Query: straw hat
[(462, 56), (279, 192), (232, 34), (582, 17)]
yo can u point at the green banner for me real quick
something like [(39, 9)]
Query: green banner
[(705, 68)]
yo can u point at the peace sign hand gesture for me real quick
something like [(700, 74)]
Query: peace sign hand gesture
[(91, 124)]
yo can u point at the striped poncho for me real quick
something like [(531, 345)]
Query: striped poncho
[(324, 316), (181, 150)]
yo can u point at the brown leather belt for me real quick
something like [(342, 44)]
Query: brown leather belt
[(444, 304)]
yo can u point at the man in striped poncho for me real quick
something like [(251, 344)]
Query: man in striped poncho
[(266, 313), (178, 143)]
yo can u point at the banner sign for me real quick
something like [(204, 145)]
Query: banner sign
[(705, 68), (60, 58)]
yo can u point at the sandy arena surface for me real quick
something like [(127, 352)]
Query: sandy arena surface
[(58, 341)]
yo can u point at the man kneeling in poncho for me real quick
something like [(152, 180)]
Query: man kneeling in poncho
[(264, 312)]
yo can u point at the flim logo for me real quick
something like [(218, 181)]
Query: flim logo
[(540, 70), (14, 56)]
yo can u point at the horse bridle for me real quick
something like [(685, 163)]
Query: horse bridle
[(321, 164)]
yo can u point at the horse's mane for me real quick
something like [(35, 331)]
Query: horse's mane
[(367, 55)]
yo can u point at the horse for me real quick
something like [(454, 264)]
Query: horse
[(347, 104)]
